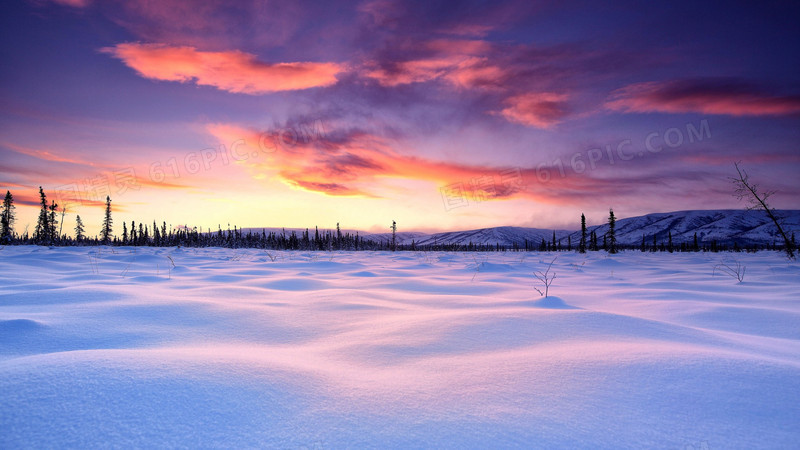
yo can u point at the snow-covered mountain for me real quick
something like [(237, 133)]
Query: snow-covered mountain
[(506, 236), (725, 226)]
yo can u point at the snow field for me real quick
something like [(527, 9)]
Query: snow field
[(166, 347)]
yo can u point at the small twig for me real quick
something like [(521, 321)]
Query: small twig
[(169, 269), (545, 278), (734, 269), (477, 266)]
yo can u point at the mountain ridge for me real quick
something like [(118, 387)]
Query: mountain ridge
[(725, 226)]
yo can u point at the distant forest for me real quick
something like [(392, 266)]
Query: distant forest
[(49, 231)]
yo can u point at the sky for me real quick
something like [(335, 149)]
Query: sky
[(439, 115)]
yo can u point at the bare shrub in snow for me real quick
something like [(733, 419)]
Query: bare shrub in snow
[(545, 278), (732, 268), (479, 262)]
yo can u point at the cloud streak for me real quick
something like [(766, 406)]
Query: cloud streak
[(708, 96), (47, 155), (356, 163), (540, 110), (231, 71), (352, 163)]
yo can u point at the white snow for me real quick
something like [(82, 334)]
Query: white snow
[(103, 347)]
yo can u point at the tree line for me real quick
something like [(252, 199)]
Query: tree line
[(49, 231)]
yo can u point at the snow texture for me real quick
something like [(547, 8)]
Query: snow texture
[(103, 347)]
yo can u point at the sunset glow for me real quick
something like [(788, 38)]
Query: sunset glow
[(472, 115)]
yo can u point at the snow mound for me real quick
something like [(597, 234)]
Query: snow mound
[(551, 302), (16, 326), (488, 267), (363, 273)]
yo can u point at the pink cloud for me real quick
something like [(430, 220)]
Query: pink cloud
[(470, 30), (459, 46), (460, 62), (48, 155), (416, 71), (458, 70), (73, 3), (752, 157), (74, 170), (477, 74), (231, 71), (539, 110), (724, 97)]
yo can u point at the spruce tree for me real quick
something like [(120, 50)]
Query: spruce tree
[(670, 248), (107, 222), (79, 230), (582, 244), (124, 233), (42, 229), (7, 218), (52, 222), (612, 238), (394, 235)]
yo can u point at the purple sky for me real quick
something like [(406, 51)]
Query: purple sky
[(439, 115)]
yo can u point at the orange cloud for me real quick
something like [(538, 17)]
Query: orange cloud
[(357, 164), (231, 71), (62, 199), (723, 97), (362, 164), (540, 110)]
